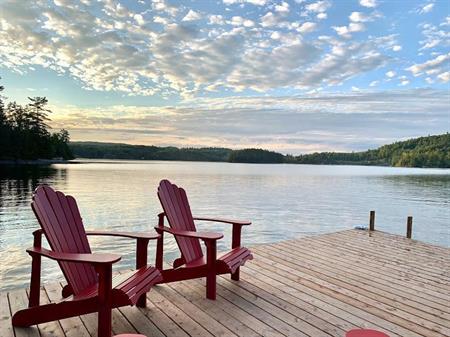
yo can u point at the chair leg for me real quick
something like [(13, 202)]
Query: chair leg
[(235, 275), (211, 274), (211, 286), (35, 284), (141, 261), (105, 302), (235, 244), (142, 301)]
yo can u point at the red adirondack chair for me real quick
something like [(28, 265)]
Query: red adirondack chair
[(90, 285), (192, 263)]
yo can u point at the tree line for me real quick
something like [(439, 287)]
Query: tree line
[(25, 134), (431, 151), (97, 150)]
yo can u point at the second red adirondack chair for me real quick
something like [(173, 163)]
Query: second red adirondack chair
[(90, 284), (192, 263)]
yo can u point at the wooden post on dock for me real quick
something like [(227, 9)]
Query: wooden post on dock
[(409, 227), (372, 221)]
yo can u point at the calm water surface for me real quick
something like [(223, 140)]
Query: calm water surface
[(283, 201)]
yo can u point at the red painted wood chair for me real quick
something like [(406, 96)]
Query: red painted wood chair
[(90, 285), (192, 263)]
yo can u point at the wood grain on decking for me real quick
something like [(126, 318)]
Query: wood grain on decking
[(316, 286)]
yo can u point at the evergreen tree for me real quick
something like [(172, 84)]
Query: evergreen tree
[(24, 132), (38, 115), (2, 108), (5, 132)]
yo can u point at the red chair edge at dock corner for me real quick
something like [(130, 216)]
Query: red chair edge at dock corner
[(192, 263), (365, 333), (90, 284)]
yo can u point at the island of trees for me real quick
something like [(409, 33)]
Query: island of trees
[(431, 151), (25, 134)]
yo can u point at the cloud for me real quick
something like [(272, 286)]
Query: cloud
[(434, 36), (163, 6), (192, 16), (279, 67), (139, 19), (216, 20), (446, 22), (437, 67), (198, 62), (357, 20), (282, 8), (345, 31), (319, 6), (444, 77), (426, 8), (275, 35), (361, 17), (368, 3), (240, 21), (253, 2), (396, 47), (346, 62), (391, 74), (307, 27), (270, 20)]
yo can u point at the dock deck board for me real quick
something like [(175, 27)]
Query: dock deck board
[(315, 286)]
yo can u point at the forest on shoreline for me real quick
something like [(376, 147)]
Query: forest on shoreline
[(25, 134), (430, 151)]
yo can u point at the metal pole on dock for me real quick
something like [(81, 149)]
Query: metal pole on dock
[(372, 221), (409, 227)]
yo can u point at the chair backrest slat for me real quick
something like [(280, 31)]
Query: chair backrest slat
[(178, 212), (60, 220)]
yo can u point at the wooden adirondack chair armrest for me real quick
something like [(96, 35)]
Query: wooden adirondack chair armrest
[(94, 259), (229, 221), (237, 227), (131, 235), (207, 236)]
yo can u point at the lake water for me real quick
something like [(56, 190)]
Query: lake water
[(282, 201)]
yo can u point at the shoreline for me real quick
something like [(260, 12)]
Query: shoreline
[(43, 162), (36, 161)]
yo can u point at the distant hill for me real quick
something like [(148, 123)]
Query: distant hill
[(431, 151), (256, 156), (97, 150)]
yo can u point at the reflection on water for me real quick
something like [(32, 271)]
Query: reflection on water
[(283, 201)]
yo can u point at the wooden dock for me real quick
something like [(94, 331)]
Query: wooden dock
[(317, 286)]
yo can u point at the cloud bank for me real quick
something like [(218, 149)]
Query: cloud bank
[(158, 49), (342, 122)]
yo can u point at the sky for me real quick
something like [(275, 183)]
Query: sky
[(294, 76)]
